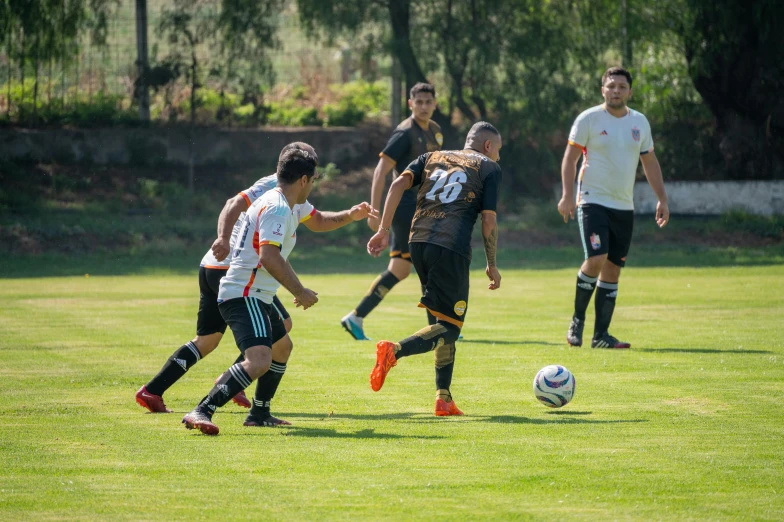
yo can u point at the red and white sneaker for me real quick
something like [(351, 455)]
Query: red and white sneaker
[(445, 409), (199, 420), (154, 403)]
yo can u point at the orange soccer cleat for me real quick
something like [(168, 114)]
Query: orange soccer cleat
[(385, 361), (445, 409)]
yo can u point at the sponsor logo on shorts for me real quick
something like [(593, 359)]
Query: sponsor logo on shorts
[(460, 307), (596, 241)]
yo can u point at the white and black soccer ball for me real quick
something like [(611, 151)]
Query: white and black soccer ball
[(554, 386)]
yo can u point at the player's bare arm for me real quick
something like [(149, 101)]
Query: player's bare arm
[(327, 221), (490, 239), (652, 169), (384, 167), (229, 215), (567, 205), (280, 269), (380, 240)]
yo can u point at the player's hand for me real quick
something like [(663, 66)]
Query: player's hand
[(662, 213), (495, 277), (378, 243), (306, 299), (362, 211), (373, 222), (220, 249), (566, 208)]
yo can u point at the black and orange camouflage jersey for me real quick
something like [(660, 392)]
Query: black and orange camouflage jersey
[(407, 143), (453, 188)]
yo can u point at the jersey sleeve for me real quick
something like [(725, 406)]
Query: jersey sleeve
[(272, 226), (578, 136), (491, 189), (417, 169), (646, 144), (258, 189), (305, 211), (398, 144)]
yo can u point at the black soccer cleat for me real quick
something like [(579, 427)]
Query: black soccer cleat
[(265, 421), (608, 341), (574, 335), (199, 420)]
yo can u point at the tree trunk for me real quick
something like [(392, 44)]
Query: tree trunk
[(399, 11)]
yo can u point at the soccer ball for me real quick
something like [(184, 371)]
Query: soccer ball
[(554, 386)]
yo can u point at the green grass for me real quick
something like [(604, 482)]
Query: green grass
[(685, 426)]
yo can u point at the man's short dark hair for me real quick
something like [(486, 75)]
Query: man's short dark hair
[(422, 87), (617, 71), (296, 145), (481, 127), (294, 164)]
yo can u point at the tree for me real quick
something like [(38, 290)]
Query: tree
[(733, 48)]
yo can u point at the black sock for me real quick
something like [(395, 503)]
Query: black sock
[(233, 381), (377, 291), (585, 287), (444, 374), (180, 362), (266, 387), (428, 338), (605, 306)]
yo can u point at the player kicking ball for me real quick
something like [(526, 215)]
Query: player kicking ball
[(453, 188)]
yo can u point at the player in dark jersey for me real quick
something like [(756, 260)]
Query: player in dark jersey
[(453, 187), (415, 136)]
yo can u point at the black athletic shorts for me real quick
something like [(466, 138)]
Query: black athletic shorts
[(253, 322), (401, 230), (443, 274), (209, 319), (606, 231)]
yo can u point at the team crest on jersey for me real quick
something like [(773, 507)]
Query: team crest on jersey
[(460, 308), (470, 196), (596, 241), (635, 134), (439, 138)]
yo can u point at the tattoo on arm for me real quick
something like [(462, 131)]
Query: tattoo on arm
[(491, 245), (335, 217)]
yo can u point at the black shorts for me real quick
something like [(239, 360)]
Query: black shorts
[(253, 322), (443, 274), (606, 231), (209, 319), (401, 230)]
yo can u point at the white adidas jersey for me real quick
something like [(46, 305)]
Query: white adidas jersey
[(611, 152), (268, 221), (250, 195)]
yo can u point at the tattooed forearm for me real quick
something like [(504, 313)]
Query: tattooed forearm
[(491, 245), (336, 217)]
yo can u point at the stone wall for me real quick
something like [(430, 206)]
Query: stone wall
[(172, 146)]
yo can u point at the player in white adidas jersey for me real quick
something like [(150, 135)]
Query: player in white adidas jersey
[(612, 139), (210, 325), (259, 265)]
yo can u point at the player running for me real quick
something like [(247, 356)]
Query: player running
[(453, 188)]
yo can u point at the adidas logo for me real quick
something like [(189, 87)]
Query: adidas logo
[(182, 363), (613, 294), (603, 133), (585, 286), (224, 389)]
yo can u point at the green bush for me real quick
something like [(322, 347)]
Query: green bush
[(357, 100), (288, 114)]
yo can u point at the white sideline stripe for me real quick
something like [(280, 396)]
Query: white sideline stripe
[(194, 350), (260, 317), (239, 376)]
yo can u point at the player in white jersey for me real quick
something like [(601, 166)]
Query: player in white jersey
[(612, 139), (210, 325), (259, 265)]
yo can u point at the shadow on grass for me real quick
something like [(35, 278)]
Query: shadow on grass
[(490, 341), (699, 350)]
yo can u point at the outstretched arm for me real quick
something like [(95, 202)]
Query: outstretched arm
[(380, 240), (490, 238), (228, 216), (652, 169), (326, 221)]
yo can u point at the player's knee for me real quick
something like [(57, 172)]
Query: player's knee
[(593, 265), (281, 350), (288, 324), (206, 344), (257, 361), (444, 354), (452, 332)]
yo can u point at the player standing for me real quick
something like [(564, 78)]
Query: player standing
[(453, 187), (612, 140), (415, 136)]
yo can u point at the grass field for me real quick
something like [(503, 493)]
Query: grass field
[(688, 425)]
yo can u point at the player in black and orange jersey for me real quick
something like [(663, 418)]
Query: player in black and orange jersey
[(453, 188), (415, 136)]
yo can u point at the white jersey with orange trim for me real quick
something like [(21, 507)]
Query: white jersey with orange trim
[(250, 195), (611, 152), (268, 221)]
